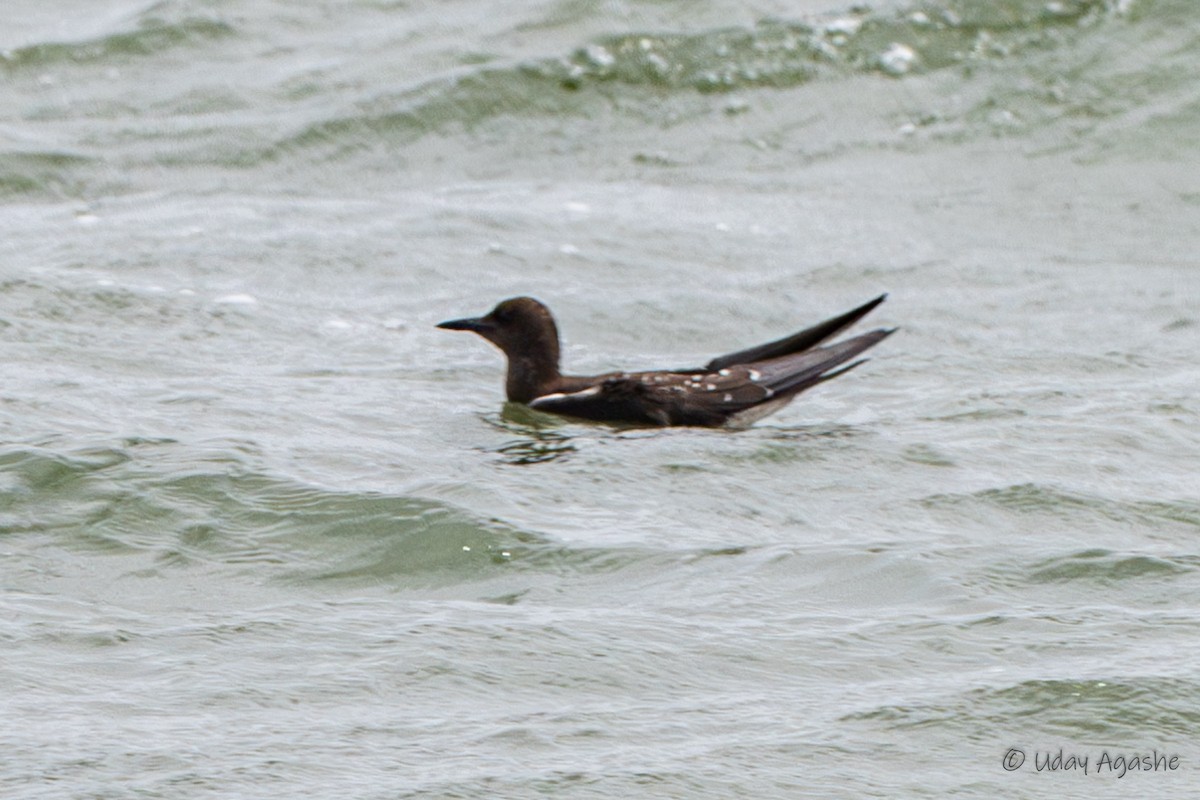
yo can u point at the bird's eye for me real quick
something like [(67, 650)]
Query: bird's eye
[(502, 315)]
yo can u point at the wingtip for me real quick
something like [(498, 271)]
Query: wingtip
[(870, 305), (879, 334)]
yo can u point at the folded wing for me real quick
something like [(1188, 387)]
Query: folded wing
[(714, 397), (797, 342)]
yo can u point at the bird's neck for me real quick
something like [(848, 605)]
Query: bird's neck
[(532, 374)]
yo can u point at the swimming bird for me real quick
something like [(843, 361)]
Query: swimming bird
[(731, 390)]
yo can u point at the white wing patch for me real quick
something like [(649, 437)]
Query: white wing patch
[(552, 398)]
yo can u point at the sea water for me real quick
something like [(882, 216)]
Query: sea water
[(266, 532)]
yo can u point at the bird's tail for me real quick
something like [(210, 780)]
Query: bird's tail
[(797, 342), (789, 375)]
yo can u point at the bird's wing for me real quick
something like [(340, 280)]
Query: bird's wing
[(706, 398), (621, 398), (797, 342), (792, 374)]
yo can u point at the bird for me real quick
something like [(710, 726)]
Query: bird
[(733, 390)]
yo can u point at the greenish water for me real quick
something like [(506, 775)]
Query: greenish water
[(265, 531)]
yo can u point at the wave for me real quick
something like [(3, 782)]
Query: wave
[(643, 80), (1107, 568), (621, 70), (177, 509), (1032, 499), (27, 171), (150, 35), (1112, 707)]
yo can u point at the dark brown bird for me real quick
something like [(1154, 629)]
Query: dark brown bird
[(735, 389)]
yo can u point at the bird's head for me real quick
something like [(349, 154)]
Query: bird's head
[(521, 326)]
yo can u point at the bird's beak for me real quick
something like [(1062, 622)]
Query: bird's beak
[(476, 324)]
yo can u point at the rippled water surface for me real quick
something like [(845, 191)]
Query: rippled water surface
[(266, 532)]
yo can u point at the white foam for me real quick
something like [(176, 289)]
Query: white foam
[(236, 299), (599, 56), (847, 26), (898, 59)]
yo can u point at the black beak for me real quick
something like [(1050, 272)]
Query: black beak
[(476, 324)]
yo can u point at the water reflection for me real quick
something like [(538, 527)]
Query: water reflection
[(538, 438)]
